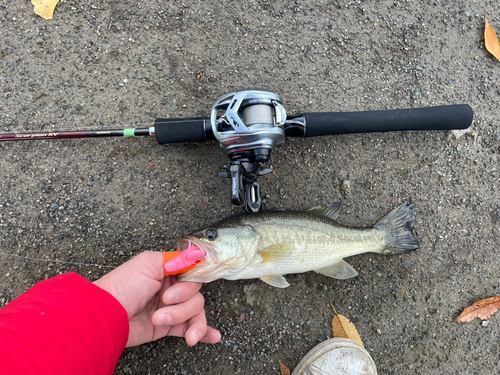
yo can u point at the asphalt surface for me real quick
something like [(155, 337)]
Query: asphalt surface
[(103, 65)]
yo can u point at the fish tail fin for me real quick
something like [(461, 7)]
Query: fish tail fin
[(397, 227)]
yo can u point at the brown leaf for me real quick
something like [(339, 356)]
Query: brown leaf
[(342, 327), (284, 370), (491, 39), (482, 309)]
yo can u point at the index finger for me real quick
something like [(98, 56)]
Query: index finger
[(180, 292)]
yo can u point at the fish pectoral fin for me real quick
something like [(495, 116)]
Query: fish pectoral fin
[(277, 252), (340, 270), (331, 210), (275, 280)]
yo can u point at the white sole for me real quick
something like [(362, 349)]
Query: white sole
[(336, 356)]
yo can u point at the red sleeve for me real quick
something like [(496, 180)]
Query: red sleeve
[(64, 325)]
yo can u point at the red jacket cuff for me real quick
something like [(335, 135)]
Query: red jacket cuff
[(64, 325)]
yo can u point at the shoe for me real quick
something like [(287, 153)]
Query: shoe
[(337, 357)]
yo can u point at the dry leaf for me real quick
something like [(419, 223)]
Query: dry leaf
[(491, 40), (284, 370), (342, 327), (482, 309), (45, 8)]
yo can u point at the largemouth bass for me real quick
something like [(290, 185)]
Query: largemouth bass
[(271, 244)]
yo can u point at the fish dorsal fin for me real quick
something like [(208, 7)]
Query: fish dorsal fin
[(340, 270), (330, 210), (275, 280)]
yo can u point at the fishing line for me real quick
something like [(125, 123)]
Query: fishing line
[(68, 262), (58, 261), (85, 126)]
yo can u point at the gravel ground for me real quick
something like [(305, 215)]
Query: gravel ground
[(104, 64)]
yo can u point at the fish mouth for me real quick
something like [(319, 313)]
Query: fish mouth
[(210, 254)]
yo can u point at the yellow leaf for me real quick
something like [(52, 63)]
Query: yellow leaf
[(491, 40), (284, 370), (342, 327), (482, 309), (45, 8)]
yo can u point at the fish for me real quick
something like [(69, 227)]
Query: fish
[(270, 244)]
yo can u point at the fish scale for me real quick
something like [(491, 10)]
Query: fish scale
[(271, 244), (315, 245)]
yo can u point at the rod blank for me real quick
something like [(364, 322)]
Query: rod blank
[(74, 134)]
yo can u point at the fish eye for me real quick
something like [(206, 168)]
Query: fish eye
[(210, 234)]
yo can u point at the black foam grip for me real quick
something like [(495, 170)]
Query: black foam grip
[(430, 118), (180, 130)]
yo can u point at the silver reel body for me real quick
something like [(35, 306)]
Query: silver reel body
[(248, 120), (248, 125)]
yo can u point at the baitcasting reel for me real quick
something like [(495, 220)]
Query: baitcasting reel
[(249, 124)]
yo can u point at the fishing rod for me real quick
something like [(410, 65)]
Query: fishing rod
[(249, 124)]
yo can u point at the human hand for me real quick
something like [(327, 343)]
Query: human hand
[(158, 306)]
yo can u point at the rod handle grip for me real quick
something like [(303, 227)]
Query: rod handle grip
[(196, 129), (430, 118)]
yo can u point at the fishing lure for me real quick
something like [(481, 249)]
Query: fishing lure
[(178, 262)]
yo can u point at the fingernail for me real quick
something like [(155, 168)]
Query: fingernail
[(164, 320), (199, 336), (215, 336), (172, 298)]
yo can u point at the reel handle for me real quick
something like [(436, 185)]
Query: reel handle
[(430, 118)]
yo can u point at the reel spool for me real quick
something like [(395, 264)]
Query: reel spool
[(248, 125)]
